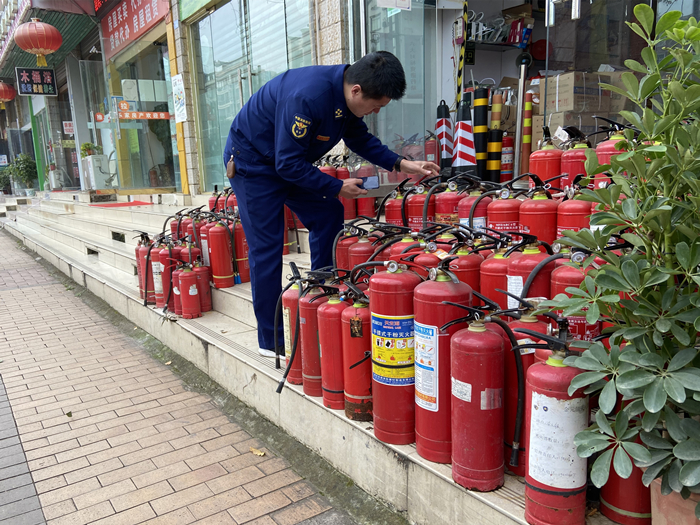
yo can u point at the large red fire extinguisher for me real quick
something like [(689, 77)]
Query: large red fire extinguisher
[(291, 323), (503, 213), (626, 501), (574, 215), (189, 294), (546, 162), (203, 274), (392, 205), (311, 299), (221, 256), (564, 277), (365, 205), (432, 359), (168, 261), (349, 205), (330, 346), (494, 276), (606, 149), (431, 147), (555, 482), (176, 290), (413, 208), (538, 216), (466, 266), (344, 240), (477, 403), (447, 204), (243, 265), (156, 270), (469, 207), (213, 201), (357, 350), (507, 158), (393, 373), (522, 279), (573, 160), (146, 280)]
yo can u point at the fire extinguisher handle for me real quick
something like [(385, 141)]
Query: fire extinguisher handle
[(526, 304), (553, 343), (356, 294), (489, 304), (296, 275)]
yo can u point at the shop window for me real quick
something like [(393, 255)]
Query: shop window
[(236, 50)]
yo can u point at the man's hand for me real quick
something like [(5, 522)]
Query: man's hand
[(351, 189), (419, 167)]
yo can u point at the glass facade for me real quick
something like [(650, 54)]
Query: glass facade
[(236, 49)]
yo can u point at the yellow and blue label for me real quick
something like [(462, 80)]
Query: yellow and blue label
[(300, 126), (393, 350)]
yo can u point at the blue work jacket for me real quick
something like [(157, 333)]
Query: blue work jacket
[(295, 119)]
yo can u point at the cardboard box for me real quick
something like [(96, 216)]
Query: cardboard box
[(583, 121), (617, 101), (579, 92), (508, 114), (537, 132)]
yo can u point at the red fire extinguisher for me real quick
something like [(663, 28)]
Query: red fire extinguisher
[(203, 274), (345, 239), (291, 325), (391, 205), (158, 246), (213, 201), (190, 253), (503, 213), (313, 297), (360, 251), (523, 280), (555, 482), (393, 373), (431, 147), (574, 215), (469, 207), (194, 230), (176, 290), (434, 305), (507, 158), (365, 205), (330, 345), (243, 265), (189, 294), (538, 215), (573, 160), (357, 350), (412, 210), (146, 280), (447, 203), (221, 255), (564, 277), (466, 266), (606, 149), (546, 162), (626, 501), (477, 402), (168, 260), (350, 205), (494, 276)]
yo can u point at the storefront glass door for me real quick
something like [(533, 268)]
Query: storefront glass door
[(238, 48)]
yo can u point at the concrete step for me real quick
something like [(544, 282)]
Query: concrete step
[(16, 201), (226, 349)]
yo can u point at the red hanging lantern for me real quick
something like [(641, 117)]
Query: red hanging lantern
[(39, 39), (7, 93)]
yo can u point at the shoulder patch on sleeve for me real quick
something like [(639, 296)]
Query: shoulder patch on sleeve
[(300, 126)]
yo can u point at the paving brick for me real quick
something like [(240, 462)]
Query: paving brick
[(222, 441), (222, 518), (87, 450), (209, 458), (58, 509), (272, 482), (93, 470), (103, 494), (208, 423), (150, 422), (177, 517), (300, 511), (8, 442), (262, 520), (34, 517), (87, 515), (140, 496), (159, 474), (17, 481), (17, 493), (129, 517), (50, 484), (69, 492), (179, 455), (234, 479), (55, 470), (218, 503), (161, 437), (145, 453), (198, 476), (257, 507), (132, 436), (120, 472), (244, 460), (298, 491), (181, 499), (192, 439), (104, 434), (273, 465), (114, 452), (17, 508)]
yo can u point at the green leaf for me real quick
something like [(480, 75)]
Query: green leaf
[(635, 408), (634, 332), (601, 469), (654, 471), (667, 21), (636, 66), (593, 314), (681, 359), (688, 450), (688, 379), (647, 86), (674, 389), (585, 379), (654, 396), (652, 360), (673, 472), (587, 449), (621, 423), (603, 423), (653, 440), (637, 451), (608, 397), (650, 419), (622, 463), (635, 379), (587, 363), (690, 474), (680, 334), (597, 350), (655, 277), (632, 237), (689, 316), (663, 325), (683, 255)]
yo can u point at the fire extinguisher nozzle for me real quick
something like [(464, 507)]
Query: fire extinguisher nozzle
[(280, 387), (514, 455)]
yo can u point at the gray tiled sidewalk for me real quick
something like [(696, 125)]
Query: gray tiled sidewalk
[(106, 434)]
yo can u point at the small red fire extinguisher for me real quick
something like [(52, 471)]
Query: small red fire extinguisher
[(357, 351)]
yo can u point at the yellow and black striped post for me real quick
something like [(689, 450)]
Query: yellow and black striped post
[(495, 146), (462, 50), (481, 129)]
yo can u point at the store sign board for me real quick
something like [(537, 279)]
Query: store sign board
[(68, 128), (129, 21), (179, 99), (36, 81), (395, 4), (3, 160), (144, 115)]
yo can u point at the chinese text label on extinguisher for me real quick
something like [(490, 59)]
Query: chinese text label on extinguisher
[(427, 367), (392, 350)]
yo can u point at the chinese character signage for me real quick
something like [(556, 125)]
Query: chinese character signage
[(144, 115), (68, 127), (179, 99), (129, 21), (36, 81)]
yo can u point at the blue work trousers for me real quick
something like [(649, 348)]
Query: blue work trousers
[(261, 194)]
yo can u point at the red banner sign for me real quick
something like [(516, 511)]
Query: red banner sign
[(144, 115), (129, 21)]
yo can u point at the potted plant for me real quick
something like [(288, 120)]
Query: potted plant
[(23, 169), (647, 292), (88, 148), (5, 180)]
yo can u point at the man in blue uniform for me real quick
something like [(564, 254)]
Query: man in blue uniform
[(286, 126)]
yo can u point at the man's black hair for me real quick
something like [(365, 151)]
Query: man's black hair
[(379, 74)]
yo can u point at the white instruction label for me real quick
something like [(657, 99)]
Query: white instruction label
[(286, 315), (527, 341), (426, 341), (205, 252), (193, 289), (515, 286), (552, 458), (491, 398), (479, 223), (157, 280), (176, 290), (461, 390)]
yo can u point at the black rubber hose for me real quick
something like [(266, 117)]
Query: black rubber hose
[(477, 201), (335, 245), (410, 247), (216, 202), (145, 277), (404, 217), (296, 231), (382, 248), (356, 269), (294, 345), (170, 290), (426, 204), (521, 389), (382, 204), (278, 309), (165, 224), (547, 247), (530, 278), (179, 221)]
